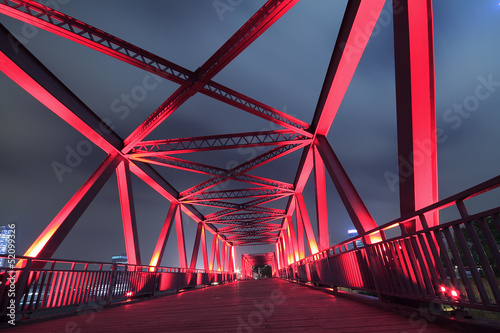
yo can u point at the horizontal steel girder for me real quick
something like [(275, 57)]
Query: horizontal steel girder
[(217, 142), (237, 194)]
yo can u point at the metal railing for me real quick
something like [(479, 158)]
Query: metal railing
[(37, 285), (455, 263)]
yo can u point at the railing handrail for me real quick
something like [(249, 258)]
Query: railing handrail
[(83, 262)]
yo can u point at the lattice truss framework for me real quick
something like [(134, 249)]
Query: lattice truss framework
[(242, 217)]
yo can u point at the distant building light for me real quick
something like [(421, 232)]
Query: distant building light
[(5, 235), (352, 232)]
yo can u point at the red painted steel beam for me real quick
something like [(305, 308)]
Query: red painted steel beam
[(306, 222), (204, 248), (253, 28), (231, 214), (19, 64), (359, 214), (63, 25), (244, 167), (212, 253), (258, 192), (224, 256), (300, 235), (196, 246), (128, 214), (217, 253), (163, 237), (416, 108), (217, 142), (180, 164), (53, 235), (179, 228), (31, 75), (357, 25), (293, 238), (321, 204)]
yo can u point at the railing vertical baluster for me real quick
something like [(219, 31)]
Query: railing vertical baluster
[(431, 265), (460, 265), (485, 265), (111, 284), (405, 269), (398, 268), (424, 271), (490, 240), (472, 264)]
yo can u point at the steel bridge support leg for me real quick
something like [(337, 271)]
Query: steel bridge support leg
[(293, 238), (359, 214), (416, 108), (204, 247), (217, 253), (196, 246), (212, 253), (128, 214), (164, 233), (304, 216), (179, 228), (300, 235), (224, 256), (53, 235), (321, 206)]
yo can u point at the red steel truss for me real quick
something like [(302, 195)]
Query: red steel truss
[(248, 261), (235, 223)]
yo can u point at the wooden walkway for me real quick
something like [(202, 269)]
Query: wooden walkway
[(268, 305)]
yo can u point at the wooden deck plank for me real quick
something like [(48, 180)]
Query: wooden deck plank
[(247, 306)]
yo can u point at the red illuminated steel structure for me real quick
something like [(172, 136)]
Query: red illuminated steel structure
[(236, 223)]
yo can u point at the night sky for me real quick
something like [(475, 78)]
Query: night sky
[(284, 68)]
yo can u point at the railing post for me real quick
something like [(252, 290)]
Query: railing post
[(112, 283), (22, 281)]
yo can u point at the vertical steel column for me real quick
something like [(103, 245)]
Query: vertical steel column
[(224, 256), (204, 247), (300, 235), (278, 254), (212, 253), (179, 228), (196, 246), (416, 108), (53, 235), (217, 253), (321, 205), (128, 214), (293, 238), (302, 214), (163, 238)]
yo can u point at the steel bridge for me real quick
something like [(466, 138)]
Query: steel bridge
[(435, 270)]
